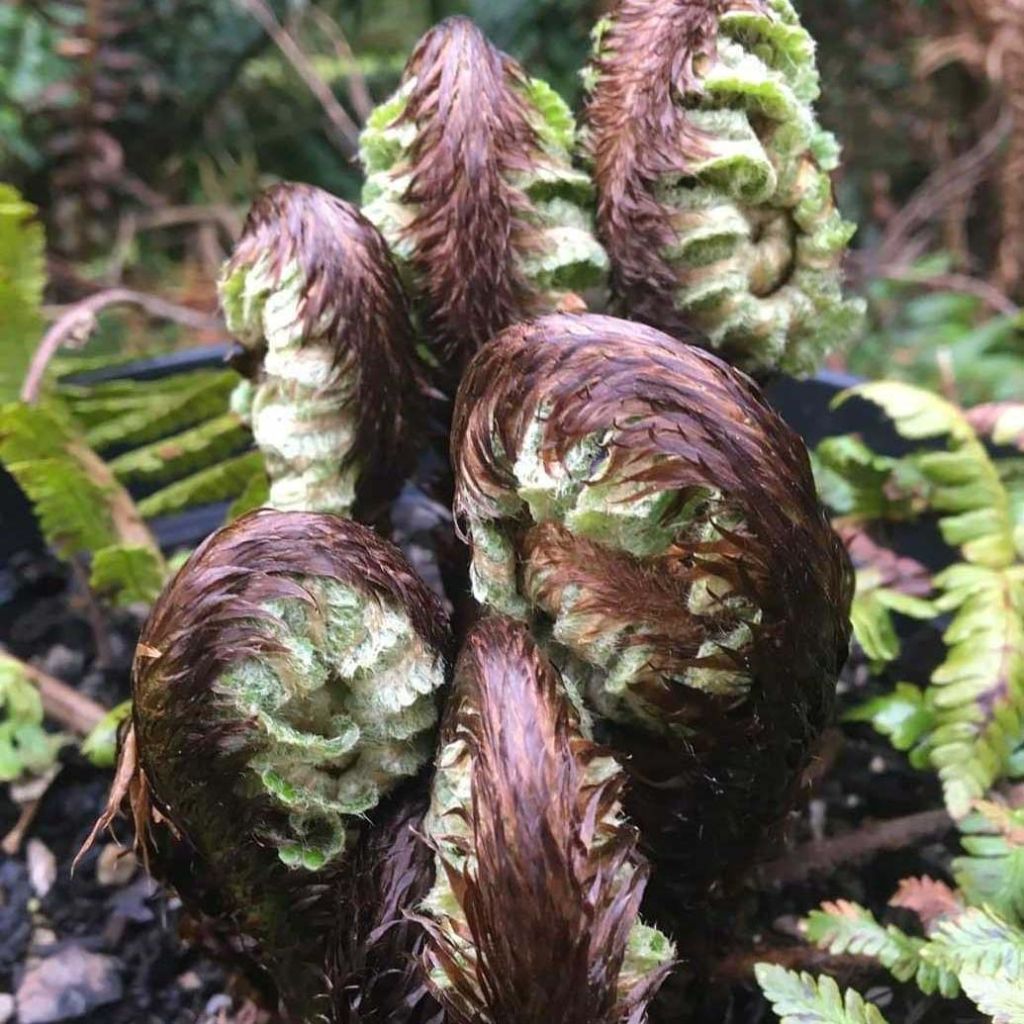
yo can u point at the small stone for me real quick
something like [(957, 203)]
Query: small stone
[(190, 981), (43, 938), (6, 1007), (877, 764), (115, 866), (216, 1004), (69, 984), (42, 867)]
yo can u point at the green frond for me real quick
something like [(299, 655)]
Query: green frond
[(978, 692), (22, 278), (203, 396), (217, 483), (100, 746), (256, 494), (804, 999), (871, 615), (854, 481), (844, 927), (966, 488), (979, 942), (26, 748), (191, 450), (904, 715), (992, 872), (1001, 998), (128, 574)]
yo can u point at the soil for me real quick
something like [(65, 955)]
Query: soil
[(163, 981)]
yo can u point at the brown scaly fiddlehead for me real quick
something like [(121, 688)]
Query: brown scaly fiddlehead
[(534, 912), (470, 179), (714, 198), (637, 502), (285, 690), (312, 292)]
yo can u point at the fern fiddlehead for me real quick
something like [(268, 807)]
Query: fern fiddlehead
[(470, 179), (311, 291), (284, 687), (655, 522), (534, 858), (714, 198)]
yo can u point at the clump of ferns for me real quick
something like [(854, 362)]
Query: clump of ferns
[(534, 834)]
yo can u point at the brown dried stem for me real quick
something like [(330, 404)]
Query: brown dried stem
[(64, 704), (345, 131), (820, 857), (76, 323)]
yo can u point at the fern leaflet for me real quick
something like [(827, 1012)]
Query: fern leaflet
[(804, 999)]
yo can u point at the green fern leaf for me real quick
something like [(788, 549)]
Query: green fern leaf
[(129, 575), (218, 483), (187, 452), (100, 746), (871, 615), (804, 999), (844, 927), (854, 481), (26, 748), (904, 715), (965, 484), (992, 873), (978, 692), (1001, 998), (978, 942), (202, 397), (22, 277), (255, 495)]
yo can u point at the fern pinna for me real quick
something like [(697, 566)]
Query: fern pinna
[(969, 722)]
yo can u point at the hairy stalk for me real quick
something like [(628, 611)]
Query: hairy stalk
[(312, 292), (637, 502), (714, 198), (284, 689), (470, 179), (534, 913)]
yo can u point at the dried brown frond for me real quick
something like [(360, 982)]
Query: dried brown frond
[(553, 882), (931, 900), (674, 419), (354, 301), (473, 136)]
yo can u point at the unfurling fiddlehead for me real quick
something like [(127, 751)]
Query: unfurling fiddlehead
[(714, 198), (284, 686), (636, 501), (470, 179), (312, 292), (534, 857)]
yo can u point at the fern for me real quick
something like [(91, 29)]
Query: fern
[(218, 483), (1001, 998), (844, 927), (976, 697), (100, 746), (904, 715), (871, 615), (22, 277), (255, 494), (992, 873), (804, 999), (26, 748), (193, 449), (80, 506), (979, 942), (201, 396)]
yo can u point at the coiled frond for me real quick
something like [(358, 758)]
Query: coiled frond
[(284, 685), (470, 179), (640, 505), (312, 291), (533, 916), (714, 199)]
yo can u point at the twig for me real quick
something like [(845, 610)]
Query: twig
[(64, 704), (76, 323), (739, 967), (358, 90), (226, 218), (821, 857), (345, 129)]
